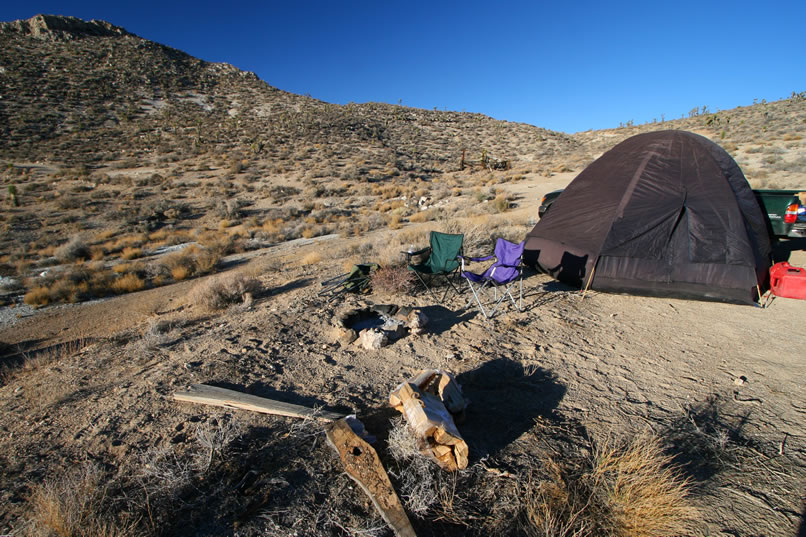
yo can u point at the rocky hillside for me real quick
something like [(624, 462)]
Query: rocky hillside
[(89, 92)]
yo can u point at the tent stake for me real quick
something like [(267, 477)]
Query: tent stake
[(590, 278)]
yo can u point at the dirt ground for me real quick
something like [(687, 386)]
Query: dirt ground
[(721, 384)]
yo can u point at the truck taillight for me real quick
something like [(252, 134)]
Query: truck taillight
[(791, 214)]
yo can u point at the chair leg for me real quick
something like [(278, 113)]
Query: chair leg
[(477, 298), (507, 292), (519, 305), (422, 281), (451, 284)]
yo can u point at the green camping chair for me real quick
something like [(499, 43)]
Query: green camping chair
[(442, 260), (355, 281)]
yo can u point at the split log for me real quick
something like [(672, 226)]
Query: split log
[(438, 382), (364, 467), (215, 396), (433, 425)]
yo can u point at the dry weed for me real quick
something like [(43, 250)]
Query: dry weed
[(77, 504), (626, 490), (128, 283), (214, 439), (417, 474), (646, 496), (393, 280), (312, 258), (225, 290)]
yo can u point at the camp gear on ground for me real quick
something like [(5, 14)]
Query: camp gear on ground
[(788, 281), (442, 260), (502, 275), (355, 281)]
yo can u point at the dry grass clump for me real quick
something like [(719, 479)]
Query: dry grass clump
[(76, 505), (129, 253), (225, 290), (624, 490), (393, 280), (68, 287), (501, 203), (312, 258), (646, 496)]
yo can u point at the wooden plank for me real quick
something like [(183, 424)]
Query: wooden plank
[(364, 467), (215, 396)]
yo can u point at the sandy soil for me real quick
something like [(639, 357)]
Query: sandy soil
[(615, 365)]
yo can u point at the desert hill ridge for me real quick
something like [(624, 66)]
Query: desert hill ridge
[(107, 75), (53, 27)]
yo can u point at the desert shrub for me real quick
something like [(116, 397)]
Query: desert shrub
[(500, 203), (74, 249), (128, 283), (222, 291), (231, 209), (131, 253), (37, 296), (416, 473), (219, 244), (181, 272), (393, 280), (189, 262), (616, 489), (423, 216)]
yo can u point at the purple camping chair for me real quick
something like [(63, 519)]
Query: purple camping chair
[(501, 276)]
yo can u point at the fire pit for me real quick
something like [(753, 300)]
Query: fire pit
[(379, 325)]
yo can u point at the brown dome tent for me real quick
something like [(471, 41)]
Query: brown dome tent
[(664, 213)]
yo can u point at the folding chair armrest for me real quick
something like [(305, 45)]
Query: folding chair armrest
[(475, 259), (409, 255)]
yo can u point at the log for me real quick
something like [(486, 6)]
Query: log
[(438, 382), (364, 467), (215, 396), (433, 425), (451, 394)]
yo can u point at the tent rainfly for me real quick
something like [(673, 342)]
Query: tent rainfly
[(664, 213)]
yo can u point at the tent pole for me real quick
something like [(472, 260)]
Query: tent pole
[(590, 278)]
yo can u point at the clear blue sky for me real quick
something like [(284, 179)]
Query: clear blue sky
[(567, 65)]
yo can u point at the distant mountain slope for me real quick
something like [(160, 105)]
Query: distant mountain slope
[(84, 92), (90, 92)]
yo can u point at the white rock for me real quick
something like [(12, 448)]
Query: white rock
[(373, 339)]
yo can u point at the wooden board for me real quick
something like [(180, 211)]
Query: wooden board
[(215, 396), (364, 467)]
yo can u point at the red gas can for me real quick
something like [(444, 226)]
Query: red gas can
[(788, 281)]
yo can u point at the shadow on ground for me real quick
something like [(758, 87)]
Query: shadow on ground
[(441, 319), (704, 439), (290, 286), (782, 249), (505, 400)]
